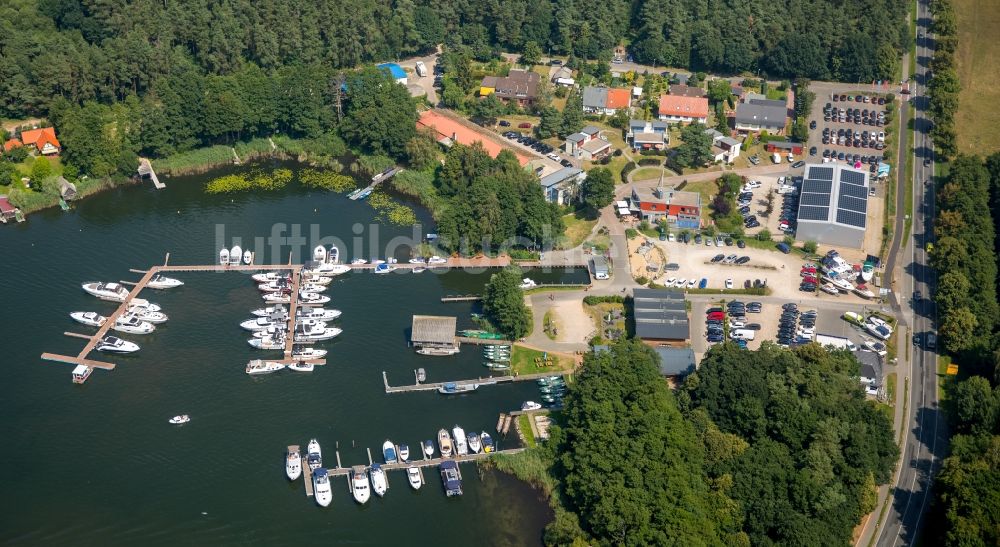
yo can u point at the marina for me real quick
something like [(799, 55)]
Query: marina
[(488, 381)]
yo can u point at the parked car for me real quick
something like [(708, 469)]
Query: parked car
[(703, 283), (798, 164), (783, 247), (504, 123), (718, 257), (524, 125)]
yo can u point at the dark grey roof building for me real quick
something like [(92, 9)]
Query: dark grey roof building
[(660, 316), (676, 361), (761, 114), (833, 205)]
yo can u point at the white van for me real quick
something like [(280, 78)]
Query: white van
[(776, 158), (742, 334)]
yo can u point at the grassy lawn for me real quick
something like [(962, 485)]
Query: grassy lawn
[(578, 229), (977, 117), (890, 390), (644, 173), (942, 373), (524, 424), (550, 325), (529, 361), (615, 166)]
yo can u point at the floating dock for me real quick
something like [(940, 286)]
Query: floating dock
[(488, 381)]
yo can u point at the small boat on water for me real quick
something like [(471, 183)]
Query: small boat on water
[(496, 366), (267, 343), (278, 285), (321, 314), (421, 375), (306, 352), (461, 446), (481, 334), (271, 311), (474, 445), (293, 462), (437, 260), (419, 269), (301, 367), (163, 282), (224, 257), (259, 366), (267, 277), (417, 260), (278, 298), (131, 324), (315, 333), (404, 453), (428, 448), (413, 475), (359, 484), (317, 279), (312, 287), (314, 454), (530, 405), (451, 478), (89, 318), (137, 303), (389, 451), (271, 331), (549, 380), (182, 419), (451, 388), (487, 441), (321, 487), (379, 484), (312, 298), (113, 292), (248, 257), (384, 268), (263, 323), (359, 261), (326, 269), (235, 254), (154, 317), (113, 344), (437, 351), (444, 443)]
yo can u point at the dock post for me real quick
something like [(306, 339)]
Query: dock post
[(338, 459), (385, 381), (166, 260), (369, 455)]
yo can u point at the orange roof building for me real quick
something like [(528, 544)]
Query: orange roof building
[(619, 98), (682, 109), (12, 144), (450, 131), (43, 139)]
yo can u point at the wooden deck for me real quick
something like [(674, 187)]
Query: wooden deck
[(146, 169), (487, 381), (292, 306)]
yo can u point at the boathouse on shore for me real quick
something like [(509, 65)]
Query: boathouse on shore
[(434, 332)]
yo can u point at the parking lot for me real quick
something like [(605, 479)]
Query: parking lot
[(850, 128)]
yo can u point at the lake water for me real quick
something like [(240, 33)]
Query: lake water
[(98, 464)]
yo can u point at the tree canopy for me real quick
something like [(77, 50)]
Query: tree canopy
[(503, 303), (598, 188), (696, 149)]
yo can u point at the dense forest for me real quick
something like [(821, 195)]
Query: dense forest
[(764, 447), (967, 505)]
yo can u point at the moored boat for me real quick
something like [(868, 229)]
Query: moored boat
[(315, 333), (384, 268), (267, 277), (359, 261), (413, 475), (379, 484), (474, 443), (293, 462), (267, 343), (321, 487), (461, 446), (312, 287), (312, 298), (437, 260), (444, 443), (389, 451), (259, 366), (131, 324), (113, 344), (248, 257), (487, 441), (89, 318), (359, 484), (262, 323), (301, 367), (163, 282), (235, 254), (314, 454), (112, 292), (181, 419), (428, 448), (278, 298), (528, 283), (404, 453), (451, 478), (322, 314), (530, 405), (278, 285), (224, 256), (451, 388), (437, 351), (307, 352), (270, 311)]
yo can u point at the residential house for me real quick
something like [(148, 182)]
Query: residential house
[(395, 71), (724, 148), (563, 76), (681, 109), (448, 131), (605, 100), (563, 186), (737, 91), (661, 317), (520, 86), (681, 209), (42, 140), (679, 78), (757, 114), (652, 135), (587, 144), (687, 91)]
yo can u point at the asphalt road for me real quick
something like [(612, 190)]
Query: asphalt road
[(926, 440)]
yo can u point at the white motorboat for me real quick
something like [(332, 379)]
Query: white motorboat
[(182, 419), (317, 279), (278, 298), (113, 344), (461, 447), (235, 254), (487, 442), (312, 287), (876, 347), (437, 260), (326, 269), (379, 484), (313, 298), (419, 269), (528, 283), (437, 351), (131, 324), (389, 452), (384, 268), (145, 304), (444, 443), (359, 261), (248, 257), (89, 318), (428, 448), (864, 292), (417, 260), (293, 463), (829, 288), (263, 323), (267, 343), (359, 485), (315, 454), (163, 282), (404, 453), (316, 333), (474, 445), (259, 366), (277, 285), (530, 405), (319, 254), (306, 352), (270, 311), (267, 277), (413, 475), (272, 331), (113, 292), (321, 487), (144, 314), (322, 314), (224, 257), (301, 367)]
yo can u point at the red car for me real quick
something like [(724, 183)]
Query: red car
[(809, 279), (807, 272), (524, 125), (717, 315)]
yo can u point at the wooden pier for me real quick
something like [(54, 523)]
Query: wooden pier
[(427, 462), (146, 169), (380, 177), (483, 341), (488, 381), (292, 306), (462, 298)]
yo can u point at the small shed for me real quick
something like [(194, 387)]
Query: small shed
[(67, 189), (7, 210), (601, 270), (434, 331)]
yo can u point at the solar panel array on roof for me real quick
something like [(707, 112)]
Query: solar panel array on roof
[(858, 205), (853, 191), (852, 177), (821, 173), (811, 212), (815, 199), (851, 218), (817, 186)]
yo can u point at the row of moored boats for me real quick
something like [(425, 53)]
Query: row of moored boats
[(139, 317)]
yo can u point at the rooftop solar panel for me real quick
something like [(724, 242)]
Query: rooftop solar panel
[(815, 199), (811, 212), (851, 218), (852, 204), (852, 177), (817, 186), (822, 173), (854, 191)]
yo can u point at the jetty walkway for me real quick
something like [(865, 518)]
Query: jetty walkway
[(488, 381)]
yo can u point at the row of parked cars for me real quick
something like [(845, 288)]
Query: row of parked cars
[(857, 116), (537, 146), (856, 138), (845, 98), (795, 327), (731, 259), (735, 313), (789, 212)]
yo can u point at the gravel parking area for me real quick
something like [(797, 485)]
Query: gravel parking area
[(852, 123)]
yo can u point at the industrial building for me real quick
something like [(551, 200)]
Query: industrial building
[(833, 205)]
